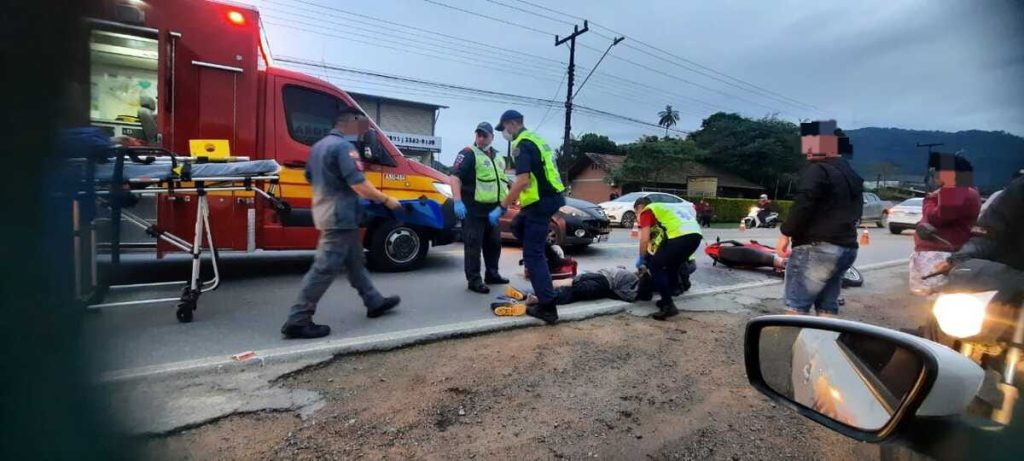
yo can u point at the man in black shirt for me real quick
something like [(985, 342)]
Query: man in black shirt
[(822, 223), (478, 184)]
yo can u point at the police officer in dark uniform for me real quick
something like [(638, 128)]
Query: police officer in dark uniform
[(538, 187), (337, 186), (478, 185)]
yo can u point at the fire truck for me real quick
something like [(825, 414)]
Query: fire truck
[(170, 72)]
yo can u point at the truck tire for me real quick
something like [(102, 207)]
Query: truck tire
[(395, 247), (895, 230)]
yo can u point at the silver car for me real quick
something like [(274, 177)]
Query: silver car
[(876, 210)]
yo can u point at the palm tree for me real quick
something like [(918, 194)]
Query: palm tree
[(668, 118)]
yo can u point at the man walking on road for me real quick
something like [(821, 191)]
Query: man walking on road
[(538, 188), (478, 185), (674, 235), (338, 184), (822, 222)]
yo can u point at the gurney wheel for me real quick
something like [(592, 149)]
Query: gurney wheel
[(185, 310)]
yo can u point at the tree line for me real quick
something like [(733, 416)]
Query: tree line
[(764, 151)]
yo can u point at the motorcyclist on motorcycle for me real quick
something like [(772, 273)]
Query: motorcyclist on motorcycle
[(765, 207), (999, 233)]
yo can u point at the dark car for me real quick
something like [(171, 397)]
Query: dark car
[(577, 224)]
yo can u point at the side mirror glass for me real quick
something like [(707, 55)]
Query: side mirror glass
[(844, 375)]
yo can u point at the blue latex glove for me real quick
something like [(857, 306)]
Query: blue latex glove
[(640, 262), (460, 209), (495, 215)]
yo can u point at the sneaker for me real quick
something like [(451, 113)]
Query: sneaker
[(506, 309), (479, 288), (389, 303), (668, 309), (496, 279), (546, 312), (515, 294), (308, 331)]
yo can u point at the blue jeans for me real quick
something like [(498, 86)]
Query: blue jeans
[(337, 251), (531, 228), (814, 275)]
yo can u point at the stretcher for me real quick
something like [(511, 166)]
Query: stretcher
[(114, 178)]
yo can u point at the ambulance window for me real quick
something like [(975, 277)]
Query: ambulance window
[(123, 79), (308, 113)]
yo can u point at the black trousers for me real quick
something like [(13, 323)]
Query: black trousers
[(585, 287), (666, 262), (478, 235)]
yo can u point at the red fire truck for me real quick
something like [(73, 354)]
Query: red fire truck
[(169, 72)]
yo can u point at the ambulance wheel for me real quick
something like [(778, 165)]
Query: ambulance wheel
[(395, 247), (185, 310)]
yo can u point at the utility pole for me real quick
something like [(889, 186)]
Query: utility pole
[(576, 32), (930, 146)]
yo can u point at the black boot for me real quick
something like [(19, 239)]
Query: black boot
[(479, 287), (668, 309), (307, 331), (389, 303), (495, 279), (546, 312)]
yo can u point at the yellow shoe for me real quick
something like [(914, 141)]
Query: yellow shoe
[(508, 310), (515, 294)]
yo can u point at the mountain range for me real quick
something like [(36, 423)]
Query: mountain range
[(995, 155)]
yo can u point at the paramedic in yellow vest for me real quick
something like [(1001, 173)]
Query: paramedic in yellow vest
[(538, 188), (675, 233), (478, 183)]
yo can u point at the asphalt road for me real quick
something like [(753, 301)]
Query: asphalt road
[(246, 312)]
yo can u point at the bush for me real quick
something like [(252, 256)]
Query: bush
[(732, 210)]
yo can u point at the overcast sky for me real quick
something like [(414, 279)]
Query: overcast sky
[(936, 64)]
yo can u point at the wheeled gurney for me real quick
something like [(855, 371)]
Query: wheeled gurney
[(116, 178)]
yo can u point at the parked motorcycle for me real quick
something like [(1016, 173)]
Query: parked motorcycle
[(752, 220), (755, 255)]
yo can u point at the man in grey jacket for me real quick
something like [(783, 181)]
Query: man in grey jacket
[(338, 183)]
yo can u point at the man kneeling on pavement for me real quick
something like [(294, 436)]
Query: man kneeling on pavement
[(669, 236)]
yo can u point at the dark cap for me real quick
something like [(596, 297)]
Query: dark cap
[(510, 114), (485, 127), (349, 110)]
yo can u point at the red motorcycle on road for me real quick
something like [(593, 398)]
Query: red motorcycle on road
[(755, 255)]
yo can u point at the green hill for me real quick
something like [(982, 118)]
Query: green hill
[(994, 154)]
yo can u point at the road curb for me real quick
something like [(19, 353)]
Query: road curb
[(325, 350), (370, 343)]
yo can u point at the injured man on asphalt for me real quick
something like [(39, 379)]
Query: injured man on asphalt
[(617, 283)]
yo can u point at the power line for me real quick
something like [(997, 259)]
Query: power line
[(494, 95), (422, 53), (445, 5), (417, 32), (514, 24), (609, 89), (641, 42)]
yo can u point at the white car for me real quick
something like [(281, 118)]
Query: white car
[(620, 211), (905, 215)]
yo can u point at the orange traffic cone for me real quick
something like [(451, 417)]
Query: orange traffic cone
[(743, 226), (865, 237), (635, 233)]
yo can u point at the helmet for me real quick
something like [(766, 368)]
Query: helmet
[(764, 196)]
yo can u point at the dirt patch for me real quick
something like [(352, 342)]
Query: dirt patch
[(618, 387)]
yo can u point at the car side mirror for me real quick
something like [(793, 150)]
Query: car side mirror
[(371, 149), (863, 381)]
